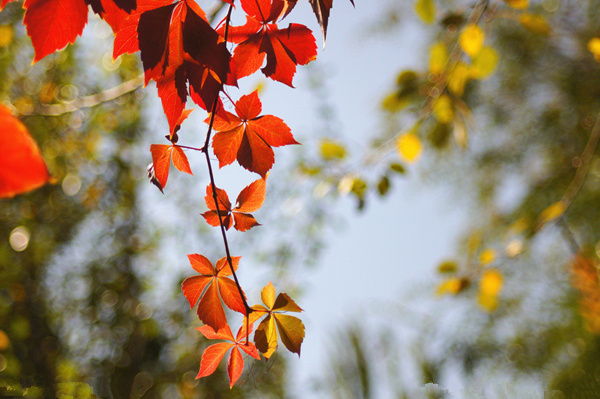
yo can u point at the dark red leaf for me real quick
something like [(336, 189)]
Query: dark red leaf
[(250, 139)]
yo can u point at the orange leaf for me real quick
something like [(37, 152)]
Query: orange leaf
[(193, 287), (213, 354), (22, 168), (212, 357), (210, 310), (180, 160), (244, 221), (161, 159), (235, 366), (250, 199), (210, 287)]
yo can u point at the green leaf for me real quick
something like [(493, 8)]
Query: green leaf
[(383, 186), (398, 168)]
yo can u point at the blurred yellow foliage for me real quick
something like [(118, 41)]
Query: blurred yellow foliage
[(451, 286), (7, 35), (484, 64), (490, 286), (409, 147), (425, 9), (519, 4), (535, 24), (331, 150), (471, 39), (487, 256), (442, 109), (459, 78), (438, 58), (551, 213), (594, 47)]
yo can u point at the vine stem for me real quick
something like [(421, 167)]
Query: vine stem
[(214, 192)]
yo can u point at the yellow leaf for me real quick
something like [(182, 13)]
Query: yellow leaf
[(425, 9), (487, 256), (459, 77), (291, 331), (7, 35), (268, 295), (442, 109), (265, 337), (471, 39), (409, 147), (594, 47), (331, 150), (489, 303), (450, 286), (535, 24), (285, 303), (484, 64), (438, 58), (491, 283), (518, 4), (551, 213)]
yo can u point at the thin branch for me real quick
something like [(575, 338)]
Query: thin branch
[(584, 167), (91, 100), (214, 190)]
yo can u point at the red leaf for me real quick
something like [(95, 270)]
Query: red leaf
[(321, 9), (126, 38), (3, 3), (114, 12), (173, 94), (52, 24), (250, 137), (212, 357), (283, 48), (22, 168)]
